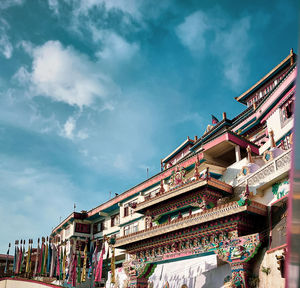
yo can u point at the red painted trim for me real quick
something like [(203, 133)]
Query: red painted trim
[(230, 137), (260, 109), (285, 196), (276, 248), (29, 280), (278, 104)]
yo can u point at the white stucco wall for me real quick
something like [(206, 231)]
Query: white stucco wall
[(268, 260)]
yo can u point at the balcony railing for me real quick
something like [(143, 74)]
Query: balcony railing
[(149, 201), (279, 165), (195, 219)]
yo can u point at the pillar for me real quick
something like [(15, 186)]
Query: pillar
[(239, 275), (237, 153)]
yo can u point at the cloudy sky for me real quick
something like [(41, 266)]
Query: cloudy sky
[(92, 92)]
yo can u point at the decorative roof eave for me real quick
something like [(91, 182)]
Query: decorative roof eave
[(264, 106), (257, 85), (195, 219), (212, 182), (247, 113), (178, 149)]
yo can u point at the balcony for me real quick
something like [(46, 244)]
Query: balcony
[(186, 187), (195, 219), (269, 173)]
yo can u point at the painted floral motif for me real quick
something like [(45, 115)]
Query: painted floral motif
[(177, 177), (240, 249), (281, 189)]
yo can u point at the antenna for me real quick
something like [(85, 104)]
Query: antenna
[(147, 173)]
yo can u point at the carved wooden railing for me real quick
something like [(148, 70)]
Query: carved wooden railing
[(149, 201), (198, 218), (282, 163)]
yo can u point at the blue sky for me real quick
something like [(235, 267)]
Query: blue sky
[(92, 92)]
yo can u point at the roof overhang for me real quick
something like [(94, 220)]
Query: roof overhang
[(283, 64), (228, 139), (178, 149), (210, 182)]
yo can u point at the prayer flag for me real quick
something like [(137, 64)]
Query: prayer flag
[(99, 266), (214, 119), (79, 267), (83, 275)]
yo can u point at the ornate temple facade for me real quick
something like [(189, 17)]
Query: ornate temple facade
[(215, 215)]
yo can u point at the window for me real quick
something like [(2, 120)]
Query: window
[(134, 227), (98, 227), (114, 220), (287, 110), (129, 229), (126, 230), (82, 228), (126, 211)]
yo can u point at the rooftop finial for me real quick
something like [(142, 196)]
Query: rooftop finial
[(161, 189), (292, 56)]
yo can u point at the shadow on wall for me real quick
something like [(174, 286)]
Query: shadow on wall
[(214, 277)]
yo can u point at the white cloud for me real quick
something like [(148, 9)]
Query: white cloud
[(130, 7), (192, 31), (69, 127), (53, 5), (82, 135), (26, 46), (232, 46), (116, 47), (228, 39), (22, 76), (65, 75), (4, 4), (6, 48)]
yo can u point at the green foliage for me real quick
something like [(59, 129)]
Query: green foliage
[(266, 270)]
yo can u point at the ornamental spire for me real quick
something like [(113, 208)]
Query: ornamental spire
[(250, 160), (271, 134)]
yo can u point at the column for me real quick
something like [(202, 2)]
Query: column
[(237, 153)]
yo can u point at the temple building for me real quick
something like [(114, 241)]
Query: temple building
[(215, 215)]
